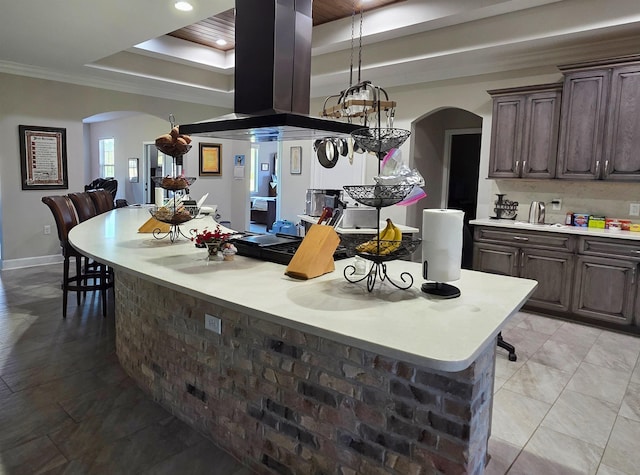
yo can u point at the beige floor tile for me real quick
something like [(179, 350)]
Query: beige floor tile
[(560, 355), (538, 381), (615, 352), (582, 417), (516, 417), (552, 453), (540, 324), (630, 407), (502, 456), (603, 383), (635, 377), (505, 368), (606, 470), (497, 384), (527, 342), (622, 451), (575, 334)]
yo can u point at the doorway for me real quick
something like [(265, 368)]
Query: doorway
[(462, 153)]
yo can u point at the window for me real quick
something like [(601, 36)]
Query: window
[(253, 186), (107, 158)]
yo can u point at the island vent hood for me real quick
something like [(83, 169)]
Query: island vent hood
[(272, 78)]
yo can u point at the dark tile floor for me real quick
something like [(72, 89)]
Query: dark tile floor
[(66, 406)]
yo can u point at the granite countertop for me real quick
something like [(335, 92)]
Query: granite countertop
[(406, 324), (557, 228)]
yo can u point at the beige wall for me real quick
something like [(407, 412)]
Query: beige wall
[(40, 102)]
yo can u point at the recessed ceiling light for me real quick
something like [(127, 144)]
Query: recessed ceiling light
[(183, 6), (221, 42)]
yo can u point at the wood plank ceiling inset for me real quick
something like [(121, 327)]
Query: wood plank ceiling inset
[(222, 26)]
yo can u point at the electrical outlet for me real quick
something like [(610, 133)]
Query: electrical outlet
[(47, 229), (634, 209), (212, 323), (556, 204)]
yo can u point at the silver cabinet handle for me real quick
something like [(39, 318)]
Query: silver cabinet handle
[(517, 166), (597, 168), (520, 238), (633, 275), (606, 167), (637, 252), (524, 165)]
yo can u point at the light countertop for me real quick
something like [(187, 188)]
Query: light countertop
[(556, 228), (405, 324)]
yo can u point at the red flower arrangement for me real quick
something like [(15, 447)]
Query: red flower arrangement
[(201, 238)]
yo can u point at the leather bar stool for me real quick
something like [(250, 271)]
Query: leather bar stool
[(84, 205), (65, 217), (102, 199)]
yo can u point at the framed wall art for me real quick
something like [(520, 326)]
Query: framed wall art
[(295, 161), (210, 159), (43, 157)]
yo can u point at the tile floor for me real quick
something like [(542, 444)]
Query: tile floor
[(570, 405)]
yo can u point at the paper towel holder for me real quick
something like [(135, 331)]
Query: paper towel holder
[(442, 290)]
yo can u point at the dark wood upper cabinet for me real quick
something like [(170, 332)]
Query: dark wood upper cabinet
[(622, 140), (524, 131), (582, 124)]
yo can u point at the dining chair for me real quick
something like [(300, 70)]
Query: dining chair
[(65, 218)]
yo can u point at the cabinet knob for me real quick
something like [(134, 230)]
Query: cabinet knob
[(597, 168), (520, 238)]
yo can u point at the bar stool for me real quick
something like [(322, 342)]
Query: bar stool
[(102, 200), (65, 217), (84, 206)]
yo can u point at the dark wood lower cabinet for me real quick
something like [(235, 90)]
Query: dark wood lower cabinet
[(605, 289), (593, 280)]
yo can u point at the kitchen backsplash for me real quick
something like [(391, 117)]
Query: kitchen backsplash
[(591, 197)]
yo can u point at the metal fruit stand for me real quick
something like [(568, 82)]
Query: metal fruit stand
[(360, 102)]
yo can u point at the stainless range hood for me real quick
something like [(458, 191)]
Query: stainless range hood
[(272, 78)]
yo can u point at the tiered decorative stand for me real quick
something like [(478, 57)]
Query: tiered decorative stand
[(380, 141), (172, 213)]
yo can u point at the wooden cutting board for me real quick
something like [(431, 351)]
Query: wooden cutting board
[(314, 256), (152, 224)]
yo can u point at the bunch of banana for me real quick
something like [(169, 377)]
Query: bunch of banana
[(385, 243)]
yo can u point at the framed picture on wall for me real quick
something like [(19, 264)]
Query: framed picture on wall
[(295, 161), (210, 159), (43, 157)]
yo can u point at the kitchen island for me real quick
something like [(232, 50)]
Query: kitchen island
[(316, 376)]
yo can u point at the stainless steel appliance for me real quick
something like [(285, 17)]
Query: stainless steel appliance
[(536, 212), (318, 199)]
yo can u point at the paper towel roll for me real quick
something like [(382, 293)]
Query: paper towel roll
[(442, 243), (159, 198)]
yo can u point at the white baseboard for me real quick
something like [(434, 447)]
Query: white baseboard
[(30, 262)]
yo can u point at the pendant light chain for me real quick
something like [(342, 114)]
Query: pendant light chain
[(360, 47), (353, 20)]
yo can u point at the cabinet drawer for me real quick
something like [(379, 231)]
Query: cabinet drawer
[(609, 248), (542, 240)]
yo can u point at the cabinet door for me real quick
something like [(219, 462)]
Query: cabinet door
[(495, 259), (622, 160), (582, 121), (554, 273), (605, 289), (506, 136), (540, 143)]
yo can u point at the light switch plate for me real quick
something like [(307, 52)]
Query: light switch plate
[(634, 209), (556, 204)]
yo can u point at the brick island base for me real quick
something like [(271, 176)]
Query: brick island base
[(288, 402)]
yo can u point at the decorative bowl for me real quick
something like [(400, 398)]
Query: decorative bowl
[(174, 149), (174, 183), (351, 241), (379, 140), (378, 196), (168, 215)]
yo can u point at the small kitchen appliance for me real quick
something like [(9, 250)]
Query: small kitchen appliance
[(536, 212)]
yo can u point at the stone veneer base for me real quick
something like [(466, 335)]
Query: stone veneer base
[(288, 402)]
